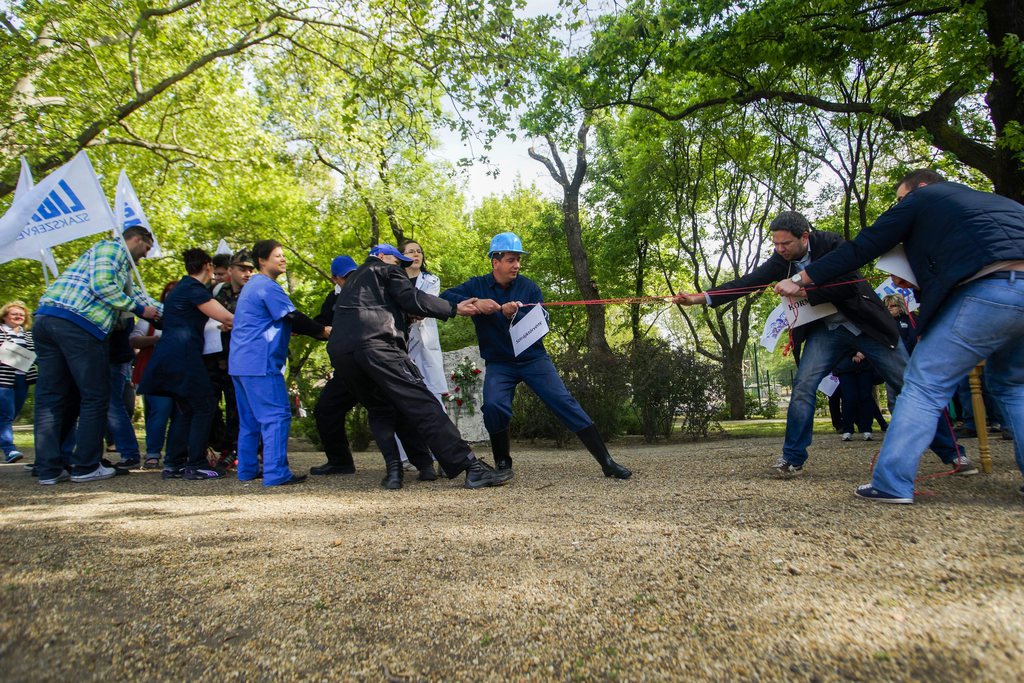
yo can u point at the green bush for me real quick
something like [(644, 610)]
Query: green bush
[(767, 407)]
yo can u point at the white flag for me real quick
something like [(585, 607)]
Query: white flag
[(223, 248), (129, 213), (889, 287), (65, 205), (791, 313), (25, 183)]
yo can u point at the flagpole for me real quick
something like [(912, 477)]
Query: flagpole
[(135, 269)]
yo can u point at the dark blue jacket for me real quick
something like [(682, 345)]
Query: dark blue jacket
[(492, 331), (950, 232)]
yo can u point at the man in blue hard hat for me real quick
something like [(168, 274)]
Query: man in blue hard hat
[(499, 297)]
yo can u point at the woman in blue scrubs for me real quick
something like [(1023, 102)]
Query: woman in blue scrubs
[(264, 321)]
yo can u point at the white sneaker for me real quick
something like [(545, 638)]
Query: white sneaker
[(847, 436), (63, 476), (867, 436), (408, 466), (97, 474)]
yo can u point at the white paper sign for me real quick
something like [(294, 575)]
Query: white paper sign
[(17, 356), (211, 338), (223, 247), (895, 263), (65, 205), (530, 330), (792, 313), (889, 287), (129, 213), (829, 385)]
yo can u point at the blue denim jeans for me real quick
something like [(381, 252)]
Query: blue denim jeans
[(822, 349), (981, 320), (118, 421), (11, 401), (540, 375), (159, 413), (69, 358)]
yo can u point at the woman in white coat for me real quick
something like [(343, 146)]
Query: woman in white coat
[(424, 342)]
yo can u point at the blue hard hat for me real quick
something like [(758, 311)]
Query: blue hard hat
[(342, 266), (381, 249), (505, 241)]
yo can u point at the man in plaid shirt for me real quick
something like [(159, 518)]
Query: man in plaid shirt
[(73, 320)]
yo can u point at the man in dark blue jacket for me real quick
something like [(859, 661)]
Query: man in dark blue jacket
[(861, 323), (966, 249), (499, 297)]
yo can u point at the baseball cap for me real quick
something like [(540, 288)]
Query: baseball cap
[(342, 266), (382, 249), (242, 257)]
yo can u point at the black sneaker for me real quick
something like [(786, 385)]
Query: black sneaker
[(785, 470), (127, 464), (428, 474), (172, 473), (480, 474), (197, 473), (328, 468)]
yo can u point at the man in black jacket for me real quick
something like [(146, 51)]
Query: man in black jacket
[(861, 323), (336, 400), (372, 358), (966, 249)]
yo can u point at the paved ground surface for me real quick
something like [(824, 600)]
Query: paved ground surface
[(700, 568)]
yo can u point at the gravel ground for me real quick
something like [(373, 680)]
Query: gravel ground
[(699, 568)]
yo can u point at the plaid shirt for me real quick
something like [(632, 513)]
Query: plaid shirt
[(95, 289)]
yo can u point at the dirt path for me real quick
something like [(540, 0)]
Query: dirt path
[(700, 568)]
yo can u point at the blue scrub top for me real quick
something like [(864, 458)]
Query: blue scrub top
[(259, 338)]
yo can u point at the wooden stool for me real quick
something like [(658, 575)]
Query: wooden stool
[(980, 419)]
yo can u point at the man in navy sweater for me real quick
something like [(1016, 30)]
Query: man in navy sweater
[(499, 297), (966, 249)]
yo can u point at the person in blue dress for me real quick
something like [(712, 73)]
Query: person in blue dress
[(176, 369), (264, 321)]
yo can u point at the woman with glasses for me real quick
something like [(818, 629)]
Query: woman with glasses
[(15, 324)]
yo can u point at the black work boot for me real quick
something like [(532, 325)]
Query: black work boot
[(595, 444), (428, 473), (481, 474), (393, 479), (501, 446)]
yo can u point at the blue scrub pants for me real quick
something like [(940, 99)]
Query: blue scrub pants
[(540, 375), (263, 411)]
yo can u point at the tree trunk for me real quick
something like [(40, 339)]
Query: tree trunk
[(1005, 31), (596, 340), (732, 370)]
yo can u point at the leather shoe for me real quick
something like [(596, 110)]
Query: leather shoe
[(480, 474), (428, 474), (329, 468), (296, 479)]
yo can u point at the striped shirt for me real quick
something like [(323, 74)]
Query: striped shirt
[(95, 289)]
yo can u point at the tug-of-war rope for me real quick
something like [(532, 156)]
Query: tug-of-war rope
[(785, 351)]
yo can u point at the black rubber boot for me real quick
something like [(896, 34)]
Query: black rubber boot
[(393, 479), (595, 444), (501, 445)]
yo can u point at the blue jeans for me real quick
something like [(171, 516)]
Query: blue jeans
[(159, 412), (981, 320), (69, 358), (11, 401), (821, 351), (118, 421), (541, 376)]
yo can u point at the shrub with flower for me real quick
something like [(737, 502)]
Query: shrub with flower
[(467, 383)]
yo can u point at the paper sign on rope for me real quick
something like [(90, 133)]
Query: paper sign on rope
[(829, 385), (529, 330), (65, 205), (895, 263), (792, 313), (211, 337), (889, 287), (129, 213), (17, 356)]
